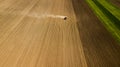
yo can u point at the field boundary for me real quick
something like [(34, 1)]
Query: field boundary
[(110, 21)]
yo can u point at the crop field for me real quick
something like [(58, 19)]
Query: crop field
[(59, 33)]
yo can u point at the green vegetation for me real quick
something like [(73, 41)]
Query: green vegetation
[(108, 14), (112, 9)]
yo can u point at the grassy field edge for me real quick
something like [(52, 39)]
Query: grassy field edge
[(108, 23)]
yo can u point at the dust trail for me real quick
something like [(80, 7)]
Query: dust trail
[(40, 16), (47, 16)]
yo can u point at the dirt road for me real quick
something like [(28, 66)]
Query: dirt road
[(33, 33)]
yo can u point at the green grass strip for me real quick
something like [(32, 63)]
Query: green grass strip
[(107, 13), (112, 9), (109, 20)]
